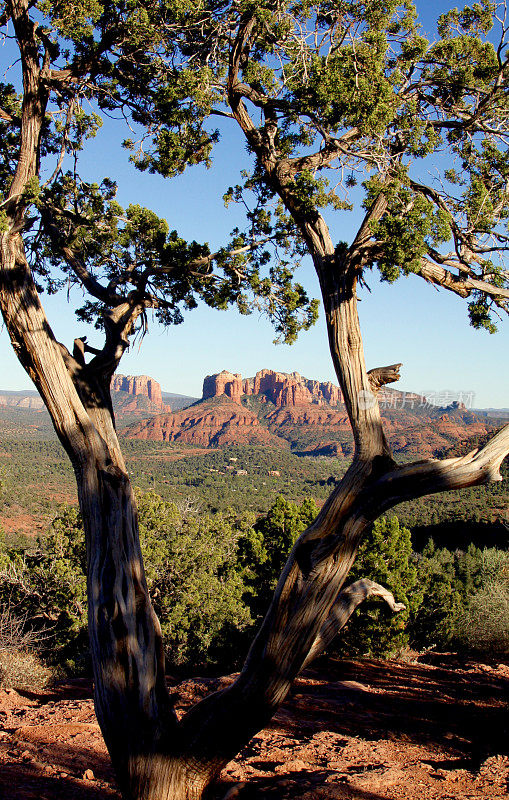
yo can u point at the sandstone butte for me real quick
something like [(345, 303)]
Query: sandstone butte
[(279, 388), (137, 387), (279, 410)]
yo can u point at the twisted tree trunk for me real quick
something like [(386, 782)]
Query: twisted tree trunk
[(155, 756)]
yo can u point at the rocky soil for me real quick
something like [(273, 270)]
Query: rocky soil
[(354, 730)]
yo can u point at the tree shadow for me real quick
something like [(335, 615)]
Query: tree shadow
[(463, 713), (459, 712), (55, 772), (292, 786)]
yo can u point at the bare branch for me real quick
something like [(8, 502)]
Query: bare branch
[(426, 477), (379, 376), (347, 601), (63, 147), (88, 281), (5, 116), (333, 148), (461, 285)]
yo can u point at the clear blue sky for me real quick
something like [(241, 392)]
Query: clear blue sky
[(409, 322)]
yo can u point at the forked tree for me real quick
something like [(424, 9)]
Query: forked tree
[(342, 86)]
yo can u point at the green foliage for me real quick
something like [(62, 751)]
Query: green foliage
[(338, 86), (409, 228), (122, 66), (47, 587), (386, 557), (435, 621), (211, 576), (465, 599), (357, 89), (193, 576), (265, 554)]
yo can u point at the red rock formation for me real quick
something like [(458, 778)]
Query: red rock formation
[(224, 383), (309, 415), (210, 423), (138, 385), (278, 387), (292, 393), (331, 394)]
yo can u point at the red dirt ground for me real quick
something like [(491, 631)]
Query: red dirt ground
[(351, 730)]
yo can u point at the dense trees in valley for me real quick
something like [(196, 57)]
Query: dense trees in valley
[(211, 576)]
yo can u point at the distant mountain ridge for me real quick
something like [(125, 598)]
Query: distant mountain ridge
[(290, 411), (23, 399), (271, 409)]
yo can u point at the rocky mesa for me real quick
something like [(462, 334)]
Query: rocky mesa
[(287, 410), (280, 388), (133, 394), (213, 422)]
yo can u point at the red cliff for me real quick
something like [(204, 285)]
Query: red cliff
[(278, 387), (223, 383), (211, 423), (139, 386), (307, 415)]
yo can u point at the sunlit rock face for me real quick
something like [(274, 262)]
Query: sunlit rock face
[(278, 387)]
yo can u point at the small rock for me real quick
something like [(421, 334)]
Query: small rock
[(297, 765), (88, 775), (438, 774), (234, 791)]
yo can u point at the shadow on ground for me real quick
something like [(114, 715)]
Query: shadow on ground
[(457, 710), (462, 711)]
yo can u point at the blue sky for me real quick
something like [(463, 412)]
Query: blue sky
[(409, 322)]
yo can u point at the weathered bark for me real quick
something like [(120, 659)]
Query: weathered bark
[(131, 696)]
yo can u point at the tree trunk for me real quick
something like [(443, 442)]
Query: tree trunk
[(155, 756)]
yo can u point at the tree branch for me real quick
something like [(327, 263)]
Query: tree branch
[(333, 149), (428, 477), (461, 285), (88, 281), (5, 116), (346, 603), (379, 376)]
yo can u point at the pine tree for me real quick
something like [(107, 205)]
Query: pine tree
[(385, 556)]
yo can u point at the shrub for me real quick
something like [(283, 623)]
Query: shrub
[(264, 550), (435, 621), (194, 577), (386, 557), (483, 624), (22, 669), (466, 599), (193, 574)]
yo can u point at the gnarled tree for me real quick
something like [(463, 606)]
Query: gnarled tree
[(336, 85)]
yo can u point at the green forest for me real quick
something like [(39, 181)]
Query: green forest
[(216, 527)]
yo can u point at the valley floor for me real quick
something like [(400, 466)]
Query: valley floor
[(351, 730)]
